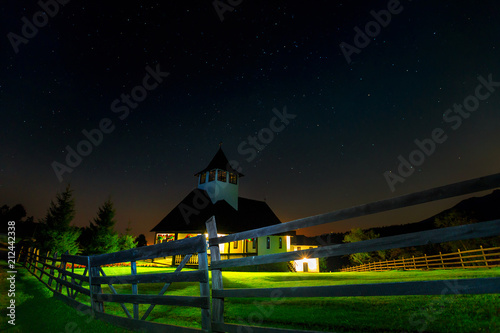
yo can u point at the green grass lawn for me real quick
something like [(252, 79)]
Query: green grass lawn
[(448, 313), (37, 311)]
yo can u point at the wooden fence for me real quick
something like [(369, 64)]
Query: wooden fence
[(489, 257), (90, 282), (470, 286), (93, 278)]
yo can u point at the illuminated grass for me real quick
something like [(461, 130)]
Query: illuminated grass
[(468, 313), (37, 311)]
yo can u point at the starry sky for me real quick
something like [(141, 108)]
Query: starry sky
[(352, 110)]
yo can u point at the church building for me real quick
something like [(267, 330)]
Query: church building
[(217, 194)]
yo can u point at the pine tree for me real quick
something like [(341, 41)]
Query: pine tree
[(56, 233), (105, 217), (104, 237), (127, 241), (61, 212)]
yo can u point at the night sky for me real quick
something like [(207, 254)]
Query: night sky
[(351, 111)]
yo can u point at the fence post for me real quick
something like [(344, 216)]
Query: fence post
[(426, 262), (414, 264), (37, 259), (95, 289), (441, 257), (63, 276), (461, 260), (22, 255), (217, 303), (27, 261), (33, 261), (73, 281), (204, 291), (54, 260), (30, 259), (90, 289), (484, 256), (43, 264), (133, 268)]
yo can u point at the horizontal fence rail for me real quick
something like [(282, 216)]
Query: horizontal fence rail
[(489, 257), (438, 193), (94, 278), (477, 230), (183, 246), (463, 286)]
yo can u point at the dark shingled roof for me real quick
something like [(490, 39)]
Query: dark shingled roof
[(304, 240), (251, 214), (219, 162)]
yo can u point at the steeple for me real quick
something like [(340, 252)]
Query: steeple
[(220, 180)]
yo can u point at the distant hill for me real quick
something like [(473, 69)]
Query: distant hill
[(484, 208)]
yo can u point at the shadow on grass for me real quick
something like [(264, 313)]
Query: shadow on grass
[(38, 311), (230, 282)]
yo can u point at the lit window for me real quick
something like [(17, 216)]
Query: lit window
[(233, 179), (268, 242), (203, 178), (211, 176), (222, 175), (235, 245), (160, 238), (281, 243)]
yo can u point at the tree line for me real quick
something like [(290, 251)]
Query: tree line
[(55, 233), (452, 218)]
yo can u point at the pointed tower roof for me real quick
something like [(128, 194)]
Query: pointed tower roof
[(221, 162)]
